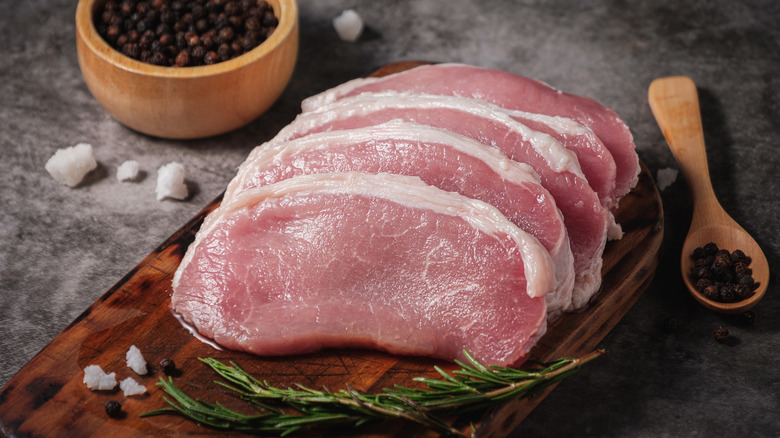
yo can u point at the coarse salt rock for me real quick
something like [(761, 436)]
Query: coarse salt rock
[(135, 360), (97, 380), (130, 387), (348, 25), (170, 182), (69, 165), (665, 177), (128, 171)]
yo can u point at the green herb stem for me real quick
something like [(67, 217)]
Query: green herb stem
[(473, 386)]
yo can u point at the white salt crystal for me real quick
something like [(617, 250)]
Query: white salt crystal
[(665, 177), (128, 170), (97, 380), (348, 25), (130, 387), (69, 165), (135, 360), (170, 182)]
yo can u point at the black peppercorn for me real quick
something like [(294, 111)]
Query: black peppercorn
[(252, 23), (247, 43), (209, 40), (198, 52), (226, 34), (748, 316), (721, 334), (738, 256), (202, 25), (711, 292), (742, 270), (210, 58), (703, 273), (743, 291), (132, 50), (167, 366), (198, 11), (183, 59), (671, 324), (702, 284), (225, 52), (147, 38), (158, 58), (113, 408), (728, 293), (237, 22), (193, 40), (747, 281), (232, 8)]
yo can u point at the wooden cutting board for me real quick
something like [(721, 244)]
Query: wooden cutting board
[(47, 396)]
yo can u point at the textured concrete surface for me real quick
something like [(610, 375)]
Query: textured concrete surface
[(61, 248)]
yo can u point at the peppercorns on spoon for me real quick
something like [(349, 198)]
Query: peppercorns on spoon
[(675, 105)]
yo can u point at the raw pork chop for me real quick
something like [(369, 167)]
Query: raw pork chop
[(509, 91), (446, 160), (587, 221), (361, 260)]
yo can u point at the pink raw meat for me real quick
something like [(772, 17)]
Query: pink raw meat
[(596, 162), (446, 160), (509, 91), (361, 260), (587, 221)]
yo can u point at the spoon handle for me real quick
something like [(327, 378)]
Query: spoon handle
[(675, 105)]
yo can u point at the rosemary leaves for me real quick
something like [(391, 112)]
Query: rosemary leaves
[(472, 387)]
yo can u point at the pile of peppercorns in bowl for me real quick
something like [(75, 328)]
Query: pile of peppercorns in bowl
[(722, 276), (185, 33), (186, 69)]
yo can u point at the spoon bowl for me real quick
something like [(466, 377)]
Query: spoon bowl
[(675, 105)]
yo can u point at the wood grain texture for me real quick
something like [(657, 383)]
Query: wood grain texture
[(47, 397)]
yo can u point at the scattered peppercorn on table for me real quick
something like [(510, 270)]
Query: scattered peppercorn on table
[(673, 368)]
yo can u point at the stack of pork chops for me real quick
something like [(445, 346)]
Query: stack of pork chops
[(443, 208)]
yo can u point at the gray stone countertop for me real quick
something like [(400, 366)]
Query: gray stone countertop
[(62, 248)]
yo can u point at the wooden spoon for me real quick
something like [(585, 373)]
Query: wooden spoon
[(675, 105)]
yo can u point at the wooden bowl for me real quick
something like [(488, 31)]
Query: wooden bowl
[(187, 102)]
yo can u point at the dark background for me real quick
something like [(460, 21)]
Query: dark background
[(62, 248)]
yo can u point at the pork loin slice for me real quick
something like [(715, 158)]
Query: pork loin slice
[(587, 221), (509, 91), (361, 260), (446, 160)]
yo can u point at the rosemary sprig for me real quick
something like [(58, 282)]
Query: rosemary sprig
[(472, 387)]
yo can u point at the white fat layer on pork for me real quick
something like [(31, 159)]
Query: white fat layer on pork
[(511, 170), (554, 153)]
